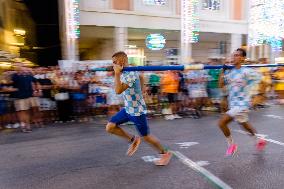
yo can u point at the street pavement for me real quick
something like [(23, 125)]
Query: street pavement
[(84, 156)]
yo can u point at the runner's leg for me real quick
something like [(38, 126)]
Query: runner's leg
[(113, 128)]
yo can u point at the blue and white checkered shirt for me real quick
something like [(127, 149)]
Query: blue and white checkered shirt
[(239, 83), (133, 98)]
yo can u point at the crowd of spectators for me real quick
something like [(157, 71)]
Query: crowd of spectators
[(35, 97)]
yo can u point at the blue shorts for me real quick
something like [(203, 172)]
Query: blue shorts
[(139, 121), (215, 93)]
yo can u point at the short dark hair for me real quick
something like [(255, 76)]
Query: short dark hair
[(119, 54), (243, 52)]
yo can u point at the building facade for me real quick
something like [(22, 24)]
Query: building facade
[(17, 29), (110, 25)]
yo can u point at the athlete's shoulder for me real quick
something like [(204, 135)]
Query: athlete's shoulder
[(227, 72), (247, 70), (244, 68)]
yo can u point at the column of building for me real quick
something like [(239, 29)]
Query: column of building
[(120, 38)]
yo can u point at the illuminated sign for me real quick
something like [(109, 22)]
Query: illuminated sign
[(155, 42), (19, 32)]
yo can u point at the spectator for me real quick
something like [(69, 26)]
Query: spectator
[(170, 86), (27, 86), (197, 81), (47, 105), (214, 92), (279, 84)]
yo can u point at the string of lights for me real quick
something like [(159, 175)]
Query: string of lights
[(266, 23), (76, 17), (189, 21), (72, 18)]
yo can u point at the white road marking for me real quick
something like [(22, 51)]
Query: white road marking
[(242, 132), (150, 158), (193, 165), (186, 144), (274, 116), (181, 145), (202, 163), (274, 141), (260, 136), (246, 133)]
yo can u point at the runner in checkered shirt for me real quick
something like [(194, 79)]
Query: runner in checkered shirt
[(129, 85), (238, 82)]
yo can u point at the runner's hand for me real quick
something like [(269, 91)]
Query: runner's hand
[(117, 68)]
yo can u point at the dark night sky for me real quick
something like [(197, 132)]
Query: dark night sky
[(45, 15)]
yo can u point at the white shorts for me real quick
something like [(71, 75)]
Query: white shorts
[(196, 93), (239, 114)]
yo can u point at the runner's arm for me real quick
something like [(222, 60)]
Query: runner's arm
[(142, 82), (119, 86), (221, 81)]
